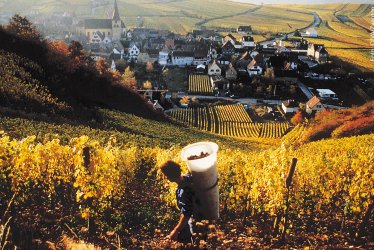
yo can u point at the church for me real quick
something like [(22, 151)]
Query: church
[(102, 30)]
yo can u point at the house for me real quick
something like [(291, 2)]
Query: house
[(204, 34), (133, 51), (169, 43), (231, 73), (255, 67), (200, 69), (163, 57), (242, 63), (311, 32), (143, 57), (229, 38), (97, 37), (321, 55), (200, 55), (228, 48), (248, 42), (223, 60), (278, 62), (116, 54), (317, 52), (314, 105), (214, 69), (285, 76), (238, 46), (182, 58), (148, 55), (107, 40), (212, 53), (289, 106), (245, 30), (327, 94), (219, 83)]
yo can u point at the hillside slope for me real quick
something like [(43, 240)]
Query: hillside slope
[(74, 164), (35, 77)]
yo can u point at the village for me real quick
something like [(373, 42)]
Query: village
[(204, 66)]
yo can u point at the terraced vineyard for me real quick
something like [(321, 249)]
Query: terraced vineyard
[(199, 85), (228, 120), (344, 32)]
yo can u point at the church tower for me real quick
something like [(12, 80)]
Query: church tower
[(117, 25)]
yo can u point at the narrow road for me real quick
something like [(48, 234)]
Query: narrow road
[(200, 23), (316, 22)]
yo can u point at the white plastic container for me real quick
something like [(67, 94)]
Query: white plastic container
[(205, 178)]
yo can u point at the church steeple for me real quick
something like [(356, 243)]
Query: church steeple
[(116, 12)]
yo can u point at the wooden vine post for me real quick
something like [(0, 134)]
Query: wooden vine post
[(86, 161), (285, 216)]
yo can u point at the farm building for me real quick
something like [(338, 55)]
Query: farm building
[(248, 42), (289, 106), (214, 69), (327, 94), (182, 58), (231, 73), (314, 104), (245, 30), (317, 52), (311, 32)]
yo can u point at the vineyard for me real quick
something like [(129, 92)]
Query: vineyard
[(199, 85), (330, 194), (228, 120)]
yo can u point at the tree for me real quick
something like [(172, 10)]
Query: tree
[(60, 47), (269, 73), (147, 84), (184, 100), (149, 67), (76, 51), (101, 66), (116, 76), (121, 65), (23, 27), (297, 118), (128, 78)]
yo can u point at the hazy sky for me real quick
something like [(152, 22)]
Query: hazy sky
[(302, 1)]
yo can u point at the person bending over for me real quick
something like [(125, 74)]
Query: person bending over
[(183, 231)]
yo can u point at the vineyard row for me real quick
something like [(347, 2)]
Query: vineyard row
[(228, 120)]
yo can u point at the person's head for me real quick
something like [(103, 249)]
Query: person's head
[(171, 170)]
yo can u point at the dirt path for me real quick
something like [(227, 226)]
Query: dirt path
[(199, 24)]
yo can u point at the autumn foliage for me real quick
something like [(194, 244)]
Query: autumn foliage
[(297, 118), (341, 123), (65, 72)]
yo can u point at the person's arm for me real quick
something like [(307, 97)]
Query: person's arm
[(183, 220)]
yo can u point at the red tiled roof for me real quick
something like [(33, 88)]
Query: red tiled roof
[(313, 102)]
